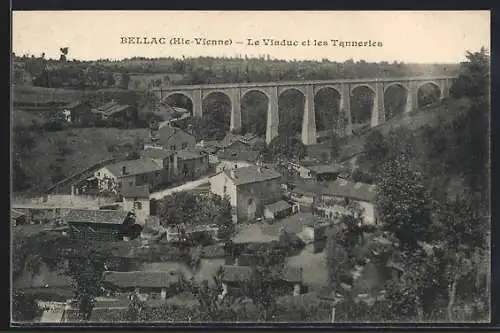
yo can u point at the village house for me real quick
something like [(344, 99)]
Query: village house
[(164, 157), (150, 285), (136, 200), (115, 177), (315, 171), (108, 225), (278, 210), (249, 189), (78, 112), (230, 158), (118, 113), (191, 163), (17, 217), (175, 139), (334, 199), (288, 282)]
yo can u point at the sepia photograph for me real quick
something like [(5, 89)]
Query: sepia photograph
[(249, 167)]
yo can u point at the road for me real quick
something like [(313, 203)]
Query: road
[(186, 186)]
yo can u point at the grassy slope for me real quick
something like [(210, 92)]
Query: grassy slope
[(447, 110), (87, 146)]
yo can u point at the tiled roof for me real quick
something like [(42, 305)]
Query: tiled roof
[(252, 174), (175, 136), (157, 153), (117, 108), (96, 216), (238, 155), (134, 167), (189, 154), (136, 192), (278, 206), (141, 279), (340, 188), (236, 273)]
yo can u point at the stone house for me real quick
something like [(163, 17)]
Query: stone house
[(249, 189), (153, 285), (175, 139), (136, 200), (191, 164), (115, 177)]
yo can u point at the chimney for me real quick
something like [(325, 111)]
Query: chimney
[(124, 170), (259, 169), (233, 174)]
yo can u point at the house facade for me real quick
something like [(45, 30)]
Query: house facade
[(175, 139), (115, 177), (249, 189), (136, 200), (191, 164)]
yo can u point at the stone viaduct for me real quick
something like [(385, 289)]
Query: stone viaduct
[(344, 88)]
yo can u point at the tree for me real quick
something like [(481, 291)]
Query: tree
[(64, 54), (474, 78), (24, 308), (86, 270), (125, 80), (403, 202), (287, 147)]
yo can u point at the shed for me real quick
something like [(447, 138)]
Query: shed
[(277, 210)]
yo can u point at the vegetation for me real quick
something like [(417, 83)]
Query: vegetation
[(420, 201), (186, 208)]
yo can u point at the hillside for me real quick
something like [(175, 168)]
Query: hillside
[(52, 156)]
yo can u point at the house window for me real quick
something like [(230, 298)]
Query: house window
[(184, 145), (250, 201), (172, 147), (225, 188), (137, 205), (98, 174), (172, 159)]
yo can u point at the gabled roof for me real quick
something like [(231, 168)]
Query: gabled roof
[(157, 153), (278, 206), (252, 174), (170, 135), (136, 191), (141, 279), (190, 154), (73, 104), (134, 167), (238, 155), (96, 216), (340, 188)]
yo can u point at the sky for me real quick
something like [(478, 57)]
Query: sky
[(408, 36)]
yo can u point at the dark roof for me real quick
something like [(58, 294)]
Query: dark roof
[(252, 174), (326, 168), (141, 279), (340, 188), (96, 216), (117, 108), (170, 136), (278, 206), (355, 190), (157, 153), (136, 191), (190, 154), (238, 155), (236, 273), (134, 167)]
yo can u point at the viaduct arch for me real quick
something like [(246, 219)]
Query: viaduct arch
[(345, 87)]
